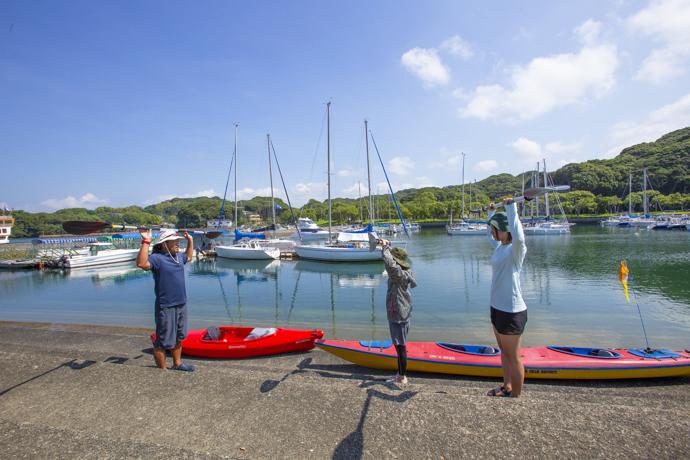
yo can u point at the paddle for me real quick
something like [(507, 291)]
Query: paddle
[(534, 192), (82, 227)]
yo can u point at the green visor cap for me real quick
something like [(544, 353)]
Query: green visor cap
[(401, 257), (499, 221)]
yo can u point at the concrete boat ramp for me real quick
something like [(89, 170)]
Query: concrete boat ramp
[(71, 391)]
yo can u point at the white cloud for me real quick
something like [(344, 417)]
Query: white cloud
[(426, 65), (668, 23), (659, 122), (447, 161), (527, 149), (588, 32), (87, 200), (457, 46), (303, 192), (485, 166), (556, 153), (347, 173), (402, 166), (545, 84)]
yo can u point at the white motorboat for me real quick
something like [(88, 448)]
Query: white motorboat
[(309, 231), (466, 228), (248, 250), (100, 253)]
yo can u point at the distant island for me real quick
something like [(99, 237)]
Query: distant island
[(599, 187)]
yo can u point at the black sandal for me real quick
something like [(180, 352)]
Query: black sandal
[(501, 391)]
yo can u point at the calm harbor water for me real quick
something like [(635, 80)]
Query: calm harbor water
[(570, 284)]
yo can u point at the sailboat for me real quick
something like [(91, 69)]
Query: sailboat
[(284, 245), (464, 227), (351, 247), (547, 226), (247, 249)]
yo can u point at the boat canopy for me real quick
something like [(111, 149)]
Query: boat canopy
[(132, 236), (347, 237), (239, 235), (67, 240), (367, 229)]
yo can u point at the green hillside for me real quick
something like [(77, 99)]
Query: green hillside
[(598, 186)]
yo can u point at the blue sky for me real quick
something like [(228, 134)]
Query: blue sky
[(118, 103)]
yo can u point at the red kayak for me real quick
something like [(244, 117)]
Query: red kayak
[(555, 362), (230, 342)]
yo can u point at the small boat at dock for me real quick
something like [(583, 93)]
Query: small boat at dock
[(556, 362)]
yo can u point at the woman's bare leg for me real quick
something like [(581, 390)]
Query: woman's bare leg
[(515, 371), (504, 362)]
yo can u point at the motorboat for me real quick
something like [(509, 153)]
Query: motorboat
[(308, 230), (100, 253), (247, 250)]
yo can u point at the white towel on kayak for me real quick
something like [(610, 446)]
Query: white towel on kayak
[(259, 332)]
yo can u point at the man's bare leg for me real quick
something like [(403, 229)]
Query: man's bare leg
[(159, 356), (177, 354)]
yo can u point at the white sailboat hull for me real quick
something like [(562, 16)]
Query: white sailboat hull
[(466, 228), (337, 254), (281, 244), (107, 257), (247, 253), (547, 229)]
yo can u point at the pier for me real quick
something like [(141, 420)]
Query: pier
[(71, 391)]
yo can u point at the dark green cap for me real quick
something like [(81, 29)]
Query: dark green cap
[(401, 257), (499, 221)]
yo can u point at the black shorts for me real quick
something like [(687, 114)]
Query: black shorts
[(509, 323)]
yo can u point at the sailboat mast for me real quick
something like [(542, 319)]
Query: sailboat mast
[(470, 204), (270, 175), (463, 185), (546, 184), (630, 194), (366, 142), (328, 157), (359, 187), (236, 125), (536, 200), (645, 205), (524, 208)]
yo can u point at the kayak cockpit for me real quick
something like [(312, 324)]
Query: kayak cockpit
[(483, 350), (601, 353), (237, 334)]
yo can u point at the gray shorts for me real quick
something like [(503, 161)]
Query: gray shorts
[(171, 326), (399, 332)]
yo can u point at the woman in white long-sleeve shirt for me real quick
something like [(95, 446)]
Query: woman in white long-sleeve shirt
[(508, 310)]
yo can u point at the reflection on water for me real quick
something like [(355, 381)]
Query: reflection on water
[(569, 283)]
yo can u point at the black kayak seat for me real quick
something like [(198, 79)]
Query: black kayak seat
[(484, 350), (213, 333), (600, 353)]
